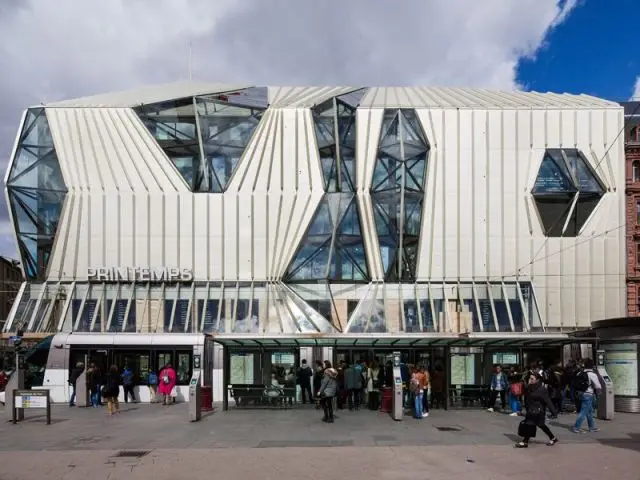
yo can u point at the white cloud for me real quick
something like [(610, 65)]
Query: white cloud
[(636, 90), (68, 48)]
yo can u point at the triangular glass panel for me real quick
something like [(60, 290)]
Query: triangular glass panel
[(347, 130), (253, 97), (588, 182), (353, 98), (390, 131), (585, 206), (369, 316), (325, 134), (416, 168), (45, 173), (24, 159), (551, 179), (36, 130), (411, 129), (348, 171), (337, 218), (350, 223), (553, 213)]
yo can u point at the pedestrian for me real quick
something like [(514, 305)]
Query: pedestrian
[(353, 385), (537, 402), (304, 380), (111, 390), (167, 383), (499, 386), (373, 386), (328, 390), (317, 381), (127, 385), (93, 384), (587, 385), (73, 378), (152, 381)]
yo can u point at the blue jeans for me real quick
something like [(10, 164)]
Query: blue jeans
[(72, 399), (95, 396), (586, 410), (514, 403), (417, 404)]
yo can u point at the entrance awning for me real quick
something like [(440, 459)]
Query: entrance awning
[(353, 340)]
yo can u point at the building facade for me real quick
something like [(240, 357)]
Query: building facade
[(232, 209), (10, 281), (632, 155)]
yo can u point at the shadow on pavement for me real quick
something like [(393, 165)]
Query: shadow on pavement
[(631, 443)]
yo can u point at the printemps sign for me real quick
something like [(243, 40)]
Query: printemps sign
[(139, 274)]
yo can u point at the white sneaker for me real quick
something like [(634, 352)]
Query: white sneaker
[(425, 414), (514, 414), (490, 410)]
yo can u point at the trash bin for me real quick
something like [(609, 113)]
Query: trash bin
[(387, 399), (206, 394)]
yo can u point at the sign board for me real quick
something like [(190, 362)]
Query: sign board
[(31, 400), (139, 274), (25, 399)]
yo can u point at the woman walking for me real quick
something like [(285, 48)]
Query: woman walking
[(111, 390), (536, 403), (328, 390)]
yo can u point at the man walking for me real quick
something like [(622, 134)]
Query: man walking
[(588, 388), (304, 380)]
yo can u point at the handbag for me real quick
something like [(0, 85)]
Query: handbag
[(526, 429), (516, 389)]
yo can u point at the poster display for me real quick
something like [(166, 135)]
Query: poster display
[(462, 369), (241, 369), (621, 362)]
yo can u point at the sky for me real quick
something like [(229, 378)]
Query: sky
[(69, 48)]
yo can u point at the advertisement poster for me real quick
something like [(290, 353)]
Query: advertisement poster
[(462, 369), (621, 362)]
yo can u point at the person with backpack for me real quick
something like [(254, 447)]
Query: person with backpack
[(588, 387), (127, 385), (167, 383), (152, 381)]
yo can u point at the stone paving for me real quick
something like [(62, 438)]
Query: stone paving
[(82, 443)]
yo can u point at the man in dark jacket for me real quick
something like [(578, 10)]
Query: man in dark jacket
[(304, 380), (537, 402), (353, 384), (73, 378)]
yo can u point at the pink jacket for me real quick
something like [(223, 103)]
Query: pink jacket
[(165, 388)]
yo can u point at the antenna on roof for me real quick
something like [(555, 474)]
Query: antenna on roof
[(190, 63)]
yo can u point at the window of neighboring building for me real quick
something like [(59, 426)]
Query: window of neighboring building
[(637, 213), (638, 300), (634, 134), (638, 253), (635, 170)]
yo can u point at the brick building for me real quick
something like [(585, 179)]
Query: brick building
[(632, 153), (10, 280)]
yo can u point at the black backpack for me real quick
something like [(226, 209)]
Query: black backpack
[(581, 381)]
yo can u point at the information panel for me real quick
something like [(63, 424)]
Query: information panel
[(621, 362), (31, 400)]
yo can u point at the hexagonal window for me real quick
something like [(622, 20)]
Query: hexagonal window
[(566, 192), (205, 136), (36, 192)]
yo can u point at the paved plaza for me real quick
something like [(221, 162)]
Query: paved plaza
[(152, 441)]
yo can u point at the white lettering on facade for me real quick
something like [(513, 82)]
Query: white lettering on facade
[(139, 274)]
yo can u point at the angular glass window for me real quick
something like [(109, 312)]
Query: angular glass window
[(332, 249), (205, 137), (335, 128), (566, 192), (36, 192), (397, 192)]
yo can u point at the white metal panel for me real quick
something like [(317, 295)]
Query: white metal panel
[(436, 239), (155, 219), (229, 225), (466, 166), (111, 229), (186, 232), (149, 94), (201, 242), (511, 212), (450, 163), (216, 237), (128, 227)]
